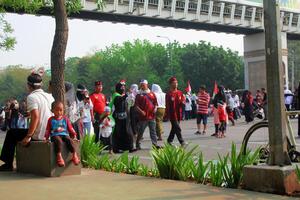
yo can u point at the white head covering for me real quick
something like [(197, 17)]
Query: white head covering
[(156, 88)]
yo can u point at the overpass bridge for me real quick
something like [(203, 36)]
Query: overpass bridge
[(228, 16)]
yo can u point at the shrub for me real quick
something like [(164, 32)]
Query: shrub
[(143, 170), (233, 173), (90, 151), (215, 174), (173, 162), (199, 170), (133, 165), (298, 172)]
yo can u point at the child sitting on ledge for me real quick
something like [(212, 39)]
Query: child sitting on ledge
[(58, 128)]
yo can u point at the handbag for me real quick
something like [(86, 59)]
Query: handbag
[(121, 115)]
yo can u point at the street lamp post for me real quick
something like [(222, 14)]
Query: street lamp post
[(170, 52), (293, 70)]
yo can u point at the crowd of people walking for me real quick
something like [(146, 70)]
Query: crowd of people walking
[(121, 122)]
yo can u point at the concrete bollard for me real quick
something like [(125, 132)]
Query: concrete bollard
[(39, 158)]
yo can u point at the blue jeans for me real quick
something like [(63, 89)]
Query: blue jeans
[(152, 128), (87, 128)]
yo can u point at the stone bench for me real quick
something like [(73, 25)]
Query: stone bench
[(39, 158)]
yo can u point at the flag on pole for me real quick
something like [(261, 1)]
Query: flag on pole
[(188, 89), (216, 90)]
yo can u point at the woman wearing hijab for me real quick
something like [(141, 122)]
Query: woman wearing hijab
[(248, 106), (220, 97), (132, 115), (161, 107), (121, 139)]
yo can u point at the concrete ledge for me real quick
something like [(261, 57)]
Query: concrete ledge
[(40, 159), (271, 179)]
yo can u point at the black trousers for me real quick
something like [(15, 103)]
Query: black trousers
[(175, 130), (96, 127), (13, 136), (58, 142), (298, 125), (106, 141)]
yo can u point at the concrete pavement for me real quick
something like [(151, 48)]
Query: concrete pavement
[(102, 185)]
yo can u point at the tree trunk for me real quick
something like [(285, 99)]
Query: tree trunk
[(58, 50)]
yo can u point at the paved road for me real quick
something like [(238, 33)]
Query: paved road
[(210, 146)]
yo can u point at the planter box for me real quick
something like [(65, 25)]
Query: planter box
[(39, 158)]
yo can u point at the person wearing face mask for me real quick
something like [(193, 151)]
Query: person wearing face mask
[(121, 139)]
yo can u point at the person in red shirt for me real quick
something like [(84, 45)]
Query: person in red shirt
[(146, 106), (99, 102), (222, 118), (174, 104)]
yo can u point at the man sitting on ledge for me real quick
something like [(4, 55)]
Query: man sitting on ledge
[(38, 105)]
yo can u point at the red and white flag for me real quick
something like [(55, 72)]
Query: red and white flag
[(216, 90), (188, 89)]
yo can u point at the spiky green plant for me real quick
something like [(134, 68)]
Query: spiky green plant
[(143, 170), (215, 174), (133, 165), (233, 171), (103, 162), (90, 151), (172, 162), (298, 172), (199, 169)]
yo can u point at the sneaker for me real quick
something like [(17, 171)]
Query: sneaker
[(6, 168), (204, 132), (197, 133), (60, 161), (75, 159), (215, 134)]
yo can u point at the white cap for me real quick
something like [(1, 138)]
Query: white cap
[(143, 81)]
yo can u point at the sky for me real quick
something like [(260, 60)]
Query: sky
[(34, 36)]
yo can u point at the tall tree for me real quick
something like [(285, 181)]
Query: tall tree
[(59, 49), (60, 10)]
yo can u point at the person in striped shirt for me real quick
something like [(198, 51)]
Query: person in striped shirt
[(202, 109)]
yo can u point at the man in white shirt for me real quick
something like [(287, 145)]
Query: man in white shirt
[(39, 107)]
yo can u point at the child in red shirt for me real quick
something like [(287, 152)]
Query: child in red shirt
[(222, 118), (58, 128)]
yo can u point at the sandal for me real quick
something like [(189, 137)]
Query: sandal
[(75, 159), (60, 161)]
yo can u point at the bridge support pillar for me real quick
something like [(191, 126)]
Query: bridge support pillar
[(255, 61)]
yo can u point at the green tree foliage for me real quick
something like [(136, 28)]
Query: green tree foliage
[(200, 63), (203, 63), (13, 81), (7, 41)]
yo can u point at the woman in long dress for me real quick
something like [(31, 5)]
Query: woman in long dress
[(248, 106), (121, 139)]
